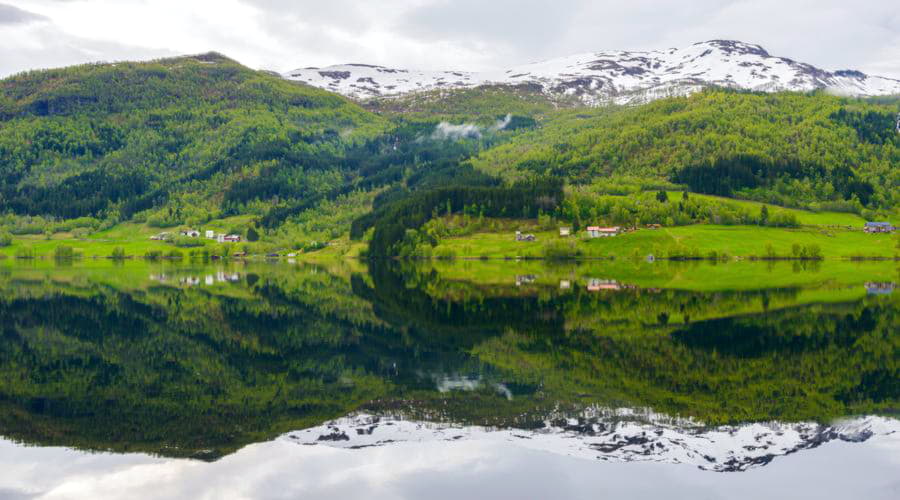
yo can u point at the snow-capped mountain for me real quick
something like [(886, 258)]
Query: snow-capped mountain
[(615, 435), (613, 76)]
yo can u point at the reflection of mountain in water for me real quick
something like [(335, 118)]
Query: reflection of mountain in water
[(107, 360), (614, 435)]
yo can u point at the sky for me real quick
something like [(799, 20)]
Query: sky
[(281, 470), (472, 35)]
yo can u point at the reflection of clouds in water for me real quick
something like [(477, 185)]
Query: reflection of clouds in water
[(460, 383), (282, 469)]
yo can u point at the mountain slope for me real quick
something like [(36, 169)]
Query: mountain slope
[(118, 139), (784, 148), (621, 77)]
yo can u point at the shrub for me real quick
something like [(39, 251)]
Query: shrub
[(175, 255), (6, 239), (153, 254), (445, 253), (63, 252), (560, 250), (24, 253), (118, 253), (187, 242)]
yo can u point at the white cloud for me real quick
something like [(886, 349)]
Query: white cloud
[(441, 34)]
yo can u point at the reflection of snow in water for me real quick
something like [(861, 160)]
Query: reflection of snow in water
[(615, 435)]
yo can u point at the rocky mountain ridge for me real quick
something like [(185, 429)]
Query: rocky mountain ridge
[(621, 77)]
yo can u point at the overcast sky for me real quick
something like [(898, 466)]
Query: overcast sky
[(439, 34)]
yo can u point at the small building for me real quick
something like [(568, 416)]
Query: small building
[(524, 279), (603, 232), (190, 233), (210, 234), (161, 236), (565, 231), (878, 227), (232, 238), (880, 288), (654, 226), (596, 285), (565, 284), (524, 237)]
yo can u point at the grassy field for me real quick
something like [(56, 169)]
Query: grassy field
[(804, 217), (694, 276), (132, 237), (735, 241)]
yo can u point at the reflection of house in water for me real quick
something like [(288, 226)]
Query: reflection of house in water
[(565, 284), (159, 277), (190, 280), (524, 279), (876, 288), (595, 285)]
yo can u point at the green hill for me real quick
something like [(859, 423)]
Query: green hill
[(202, 141), (190, 134), (788, 149)]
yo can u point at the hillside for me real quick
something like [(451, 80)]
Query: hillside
[(100, 156), (621, 77), (188, 134), (789, 149)]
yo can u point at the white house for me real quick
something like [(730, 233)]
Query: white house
[(603, 232), (210, 234), (191, 233), (565, 231)]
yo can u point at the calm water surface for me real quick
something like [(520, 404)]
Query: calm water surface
[(486, 379)]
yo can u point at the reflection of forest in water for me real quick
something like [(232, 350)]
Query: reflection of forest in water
[(180, 364)]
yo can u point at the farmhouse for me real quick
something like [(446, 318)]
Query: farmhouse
[(565, 231), (596, 285), (603, 232), (190, 233), (880, 288), (878, 227), (524, 237), (210, 234)]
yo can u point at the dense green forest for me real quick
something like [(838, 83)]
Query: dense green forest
[(186, 141), (790, 149)]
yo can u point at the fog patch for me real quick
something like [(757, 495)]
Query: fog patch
[(449, 131)]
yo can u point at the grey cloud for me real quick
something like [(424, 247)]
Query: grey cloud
[(15, 15)]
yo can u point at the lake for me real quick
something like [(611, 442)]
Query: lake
[(447, 379)]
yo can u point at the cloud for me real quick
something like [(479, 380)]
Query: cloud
[(15, 15), (449, 131), (449, 34)]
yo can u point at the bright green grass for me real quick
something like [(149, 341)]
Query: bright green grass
[(735, 241), (132, 237), (804, 217)]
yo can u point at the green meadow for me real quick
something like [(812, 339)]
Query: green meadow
[(701, 240)]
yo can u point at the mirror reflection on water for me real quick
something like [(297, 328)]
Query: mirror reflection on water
[(723, 367)]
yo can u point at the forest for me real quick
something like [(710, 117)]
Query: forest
[(194, 140)]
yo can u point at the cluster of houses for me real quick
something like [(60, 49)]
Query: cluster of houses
[(193, 233), (879, 227)]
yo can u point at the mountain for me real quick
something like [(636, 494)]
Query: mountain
[(622, 77), (200, 135), (614, 435)]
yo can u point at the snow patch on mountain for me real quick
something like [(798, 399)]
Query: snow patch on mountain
[(621, 77), (621, 435)]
